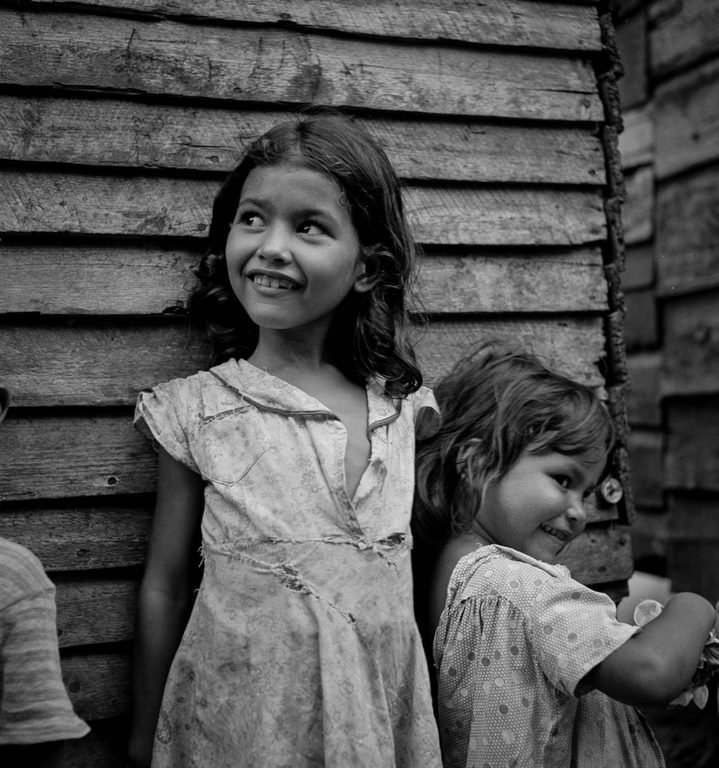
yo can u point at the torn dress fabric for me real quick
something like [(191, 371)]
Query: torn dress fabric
[(302, 648)]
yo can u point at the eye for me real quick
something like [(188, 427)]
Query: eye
[(250, 219), (565, 481), (311, 227)]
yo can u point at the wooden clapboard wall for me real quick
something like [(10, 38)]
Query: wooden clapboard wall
[(670, 150), (118, 120)]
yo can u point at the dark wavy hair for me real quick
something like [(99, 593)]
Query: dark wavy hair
[(375, 321), (496, 403)]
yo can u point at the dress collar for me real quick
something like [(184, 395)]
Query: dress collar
[(269, 392)]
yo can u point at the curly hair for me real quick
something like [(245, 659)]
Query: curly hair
[(496, 403), (375, 321)]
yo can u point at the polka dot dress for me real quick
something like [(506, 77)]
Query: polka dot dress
[(513, 644)]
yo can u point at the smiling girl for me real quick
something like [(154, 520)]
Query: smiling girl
[(533, 668), (296, 455)]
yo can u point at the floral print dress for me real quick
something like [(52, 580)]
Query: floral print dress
[(302, 648)]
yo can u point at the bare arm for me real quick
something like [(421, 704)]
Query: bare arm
[(165, 596), (656, 664)]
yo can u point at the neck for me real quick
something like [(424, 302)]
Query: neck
[(275, 353)]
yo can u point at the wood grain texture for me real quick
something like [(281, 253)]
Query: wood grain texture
[(639, 268), (530, 23), (602, 553), (119, 205), (687, 235), (636, 142), (632, 43), (93, 364), (112, 280), (74, 456), (643, 392), (573, 345), (687, 121), (692, 454), (274, 65), (645, 455), (691, 345), (111, 132), (693, 543), (95, 611), (98, 684), (638, 210), (682, 33), (81, 538), (641, 320)]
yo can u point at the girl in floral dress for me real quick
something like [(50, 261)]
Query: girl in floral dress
[(295, 456)]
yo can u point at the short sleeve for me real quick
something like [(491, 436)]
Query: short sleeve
[(572, 629), (34, 705), (164, 415)]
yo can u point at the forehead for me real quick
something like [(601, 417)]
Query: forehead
[(588, 464), (289, 184)]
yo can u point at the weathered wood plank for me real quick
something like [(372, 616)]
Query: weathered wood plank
[(639, 267), (88, 364), (643, 393), (602, 553), (81, 538), (632, 44), (687, 121), (111, 132), (74, 456), (91, 364), (682, 34), (692, 456), (95, 279), (526, 23), (125, 281), (691, 345), (73, 203), (636, 142), (274, 65), (98, 684), (95, 611), (687, 236), (640, 321), (645, 457), (693, 546), (638, 210)]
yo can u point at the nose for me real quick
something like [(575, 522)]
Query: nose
[(275, 245), (576, 511)]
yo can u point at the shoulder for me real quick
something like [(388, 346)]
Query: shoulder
[(21, 573)]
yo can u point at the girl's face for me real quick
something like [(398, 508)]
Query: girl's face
[(293, 253), (537, 507)]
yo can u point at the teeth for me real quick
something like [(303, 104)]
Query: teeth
[(271, 282), (554, 532)]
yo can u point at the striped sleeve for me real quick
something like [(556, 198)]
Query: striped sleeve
[(34, 705)]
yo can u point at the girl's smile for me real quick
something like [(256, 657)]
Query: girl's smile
[(293, 253), (537, 507)]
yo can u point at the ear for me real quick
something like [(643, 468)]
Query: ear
[(368, 272)]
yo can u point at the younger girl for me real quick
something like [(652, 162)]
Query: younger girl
[(297, 455), (524, 654)]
